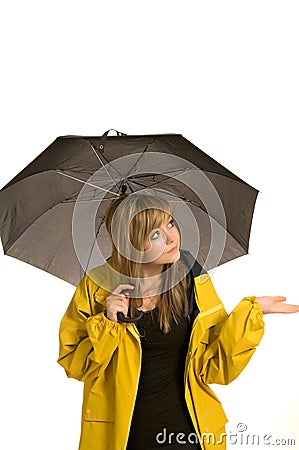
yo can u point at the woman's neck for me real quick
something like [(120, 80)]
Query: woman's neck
[(150, 287), (151, 270)]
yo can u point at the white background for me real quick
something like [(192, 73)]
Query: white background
[(225, 75)]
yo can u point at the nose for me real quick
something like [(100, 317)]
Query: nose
[(169, 236)]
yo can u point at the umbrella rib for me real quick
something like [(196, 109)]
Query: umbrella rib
[(83, 182), (179, 170), (236, 179), (145, 185), (134, 165), (105, 159), (170, 193), (104, 166), (88, 200), (93, 244), (146, 148)]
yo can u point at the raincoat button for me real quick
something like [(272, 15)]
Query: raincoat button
[(129, 394), (88, 411)]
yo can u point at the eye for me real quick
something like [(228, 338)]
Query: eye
[(155, 235), (171, 223)]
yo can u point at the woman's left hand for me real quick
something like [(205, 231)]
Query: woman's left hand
[(276, 305)]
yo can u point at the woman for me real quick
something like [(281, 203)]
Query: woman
[(146, 384)]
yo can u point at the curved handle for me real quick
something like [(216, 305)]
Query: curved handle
[(122, 318), (119, 133)]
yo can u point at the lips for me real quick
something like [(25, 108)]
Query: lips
[(172, 249)]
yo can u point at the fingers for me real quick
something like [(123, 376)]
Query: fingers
[(118, 301), (114, 308), (123, 287), (275, 304), (116, 304), (270, 299), (279, 298), (279, 307), (287, 309)]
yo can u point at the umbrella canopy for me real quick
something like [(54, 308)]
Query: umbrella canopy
[(52, 213)]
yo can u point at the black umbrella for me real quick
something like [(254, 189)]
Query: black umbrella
[(62, 196)]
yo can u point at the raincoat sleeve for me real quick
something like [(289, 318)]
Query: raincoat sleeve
[(232, 342), (87, 342)]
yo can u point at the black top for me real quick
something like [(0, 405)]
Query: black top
[(160, 408)]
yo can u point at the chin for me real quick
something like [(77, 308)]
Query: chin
[(172, 258)]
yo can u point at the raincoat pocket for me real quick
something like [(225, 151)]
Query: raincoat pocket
[(98, 406)]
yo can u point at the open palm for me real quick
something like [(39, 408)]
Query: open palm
[(276, 305)]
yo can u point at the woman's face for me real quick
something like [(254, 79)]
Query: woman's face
[(163, 244)]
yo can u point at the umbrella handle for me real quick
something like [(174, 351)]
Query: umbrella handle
[(122, 318)]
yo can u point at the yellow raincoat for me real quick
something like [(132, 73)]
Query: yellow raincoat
[(106, 356)]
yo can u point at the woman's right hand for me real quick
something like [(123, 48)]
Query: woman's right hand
[(117, 302)]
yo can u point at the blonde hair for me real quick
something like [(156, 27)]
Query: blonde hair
[(129, 221)]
